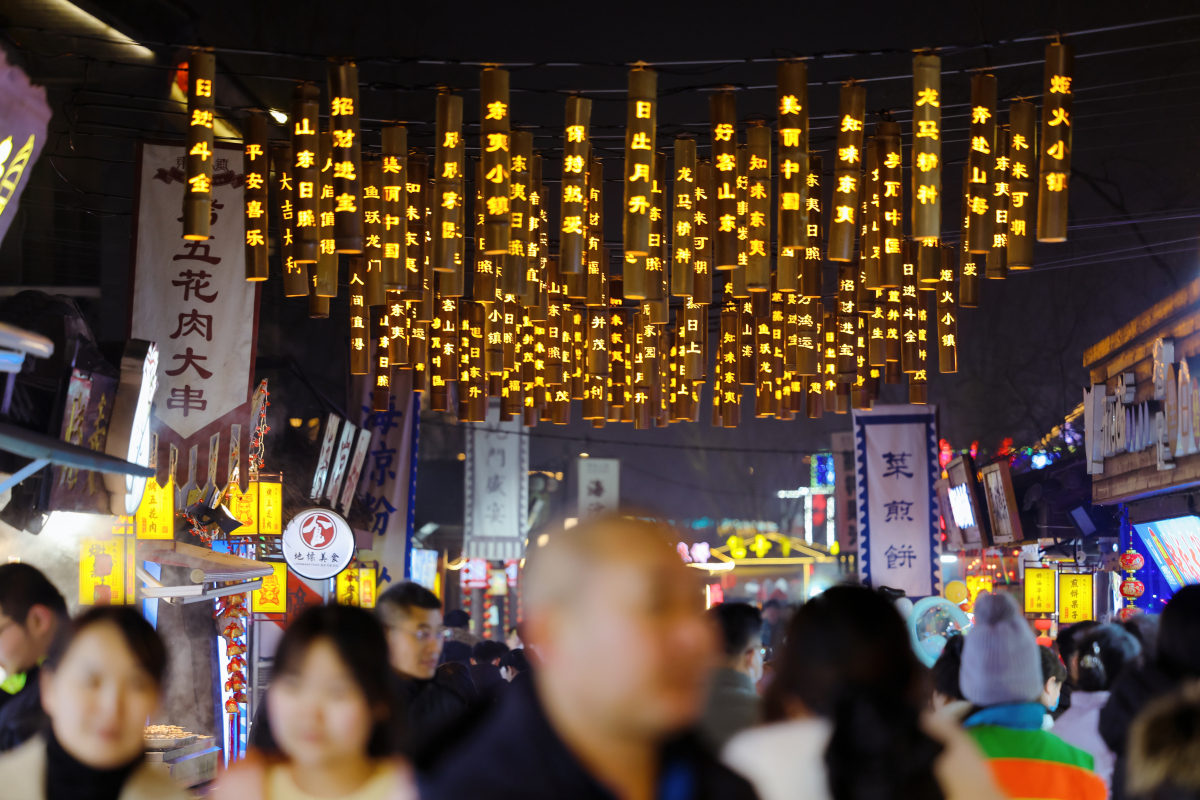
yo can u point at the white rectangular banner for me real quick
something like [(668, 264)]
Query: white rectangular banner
[(192, 298), (496, 488), (599, 486), (895, 459)]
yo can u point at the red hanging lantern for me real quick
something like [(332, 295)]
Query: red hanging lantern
[(1132, 588), (1128, 612), (1131, 560)]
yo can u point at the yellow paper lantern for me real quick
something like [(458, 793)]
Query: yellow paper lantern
[(272, 597)]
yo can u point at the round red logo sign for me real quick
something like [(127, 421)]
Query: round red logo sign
[(317, 531)]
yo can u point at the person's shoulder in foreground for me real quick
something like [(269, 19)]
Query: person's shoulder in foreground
[(516, 754)]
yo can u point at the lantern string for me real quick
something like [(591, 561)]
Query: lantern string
[(839, 54)]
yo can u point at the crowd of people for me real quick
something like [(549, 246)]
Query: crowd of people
[(619, 686)]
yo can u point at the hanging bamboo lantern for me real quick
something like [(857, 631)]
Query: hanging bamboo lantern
[(927, 151), (968, 295), (197, 201), (1055, 158), (683, 276), (891, 204), (910, 302), (791, 94), (494, 144), (325, 274), (372, 205), (758, 208), (398, 323), (572, 235), (640, 129), (383, 360), (485, 286), (347, 156), (870, 245), (892, 315), (443, 345), (447, 201), (295, 276), (847, 323), (395, 205), (730, 357), (702, 230), (527, 180), (420, 276), (597, 253), (306, 170), (723, 118), (255, 165), (741, 224), (947, 314), (846, 172), (656, 276), (997, 258), (980, 156), (810, 268), (1023, 191), (929, 263), (876, 330), (360, 330), (764, 376), (418, 349)]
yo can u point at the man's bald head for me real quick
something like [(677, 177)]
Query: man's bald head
[(618, 622), (558, 573)]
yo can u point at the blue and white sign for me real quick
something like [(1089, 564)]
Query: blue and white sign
[(895, 451)]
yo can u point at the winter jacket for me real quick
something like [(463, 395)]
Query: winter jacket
[(23, 777), (21, 715), (732, 706), (1131, 692), (1164, 748), (1080, 727), (1029, 762)]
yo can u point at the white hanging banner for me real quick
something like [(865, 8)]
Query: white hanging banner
[(496, 488), (895, 451), (192, 298), (599, 486)]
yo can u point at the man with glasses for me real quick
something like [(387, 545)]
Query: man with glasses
[(733, 703), (436, 699), (31, 613)]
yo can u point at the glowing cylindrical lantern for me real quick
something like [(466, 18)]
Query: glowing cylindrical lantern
[(347, 156), (846, 172), (255, 164), (197, 200)]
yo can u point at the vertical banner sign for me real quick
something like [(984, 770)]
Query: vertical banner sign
[(640, 129), (927, 148), (521, 267), (1075, 598), (758, 223), (967, 261), (572, 242), (295, 282), (702, 243), (896, 462), (360, 335), (980, 156), (387, 475), (723, 116), (1039, 590), (1057, 96), (191, 298), (201, 104), (255, 190), (997, 257), (496, 491), (26, 116), (372, 206), (946, 305), (792, 105), (494, 130), (599, 486), (891, 204), (846, 172), (325, 279), (1022, 187), (347, 157)]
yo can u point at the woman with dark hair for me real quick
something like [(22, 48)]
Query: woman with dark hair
[(847, 709), (947, 697), (1104, 653), (1178, 661), (332, 715), (100, 682)]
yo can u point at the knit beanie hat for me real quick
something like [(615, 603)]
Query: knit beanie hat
[(1000, 660)]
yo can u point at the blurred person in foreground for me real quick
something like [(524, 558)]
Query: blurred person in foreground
[(1105, 652), (1054, 675), (1002, 676), (624, 649), (334, 719), (458, 628), (1178, 661), (513, 664), (32, 612), (101, 681), (733, 702), (848, 714), (435, 697), (1164, 748)]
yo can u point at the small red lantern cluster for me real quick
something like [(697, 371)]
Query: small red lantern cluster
[(1131, 587)]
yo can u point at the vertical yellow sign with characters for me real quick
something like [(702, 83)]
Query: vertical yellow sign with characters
[(102, 571), (1039, 590), (272, 597), (155, 516), (244, 506), (1075, 598)]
